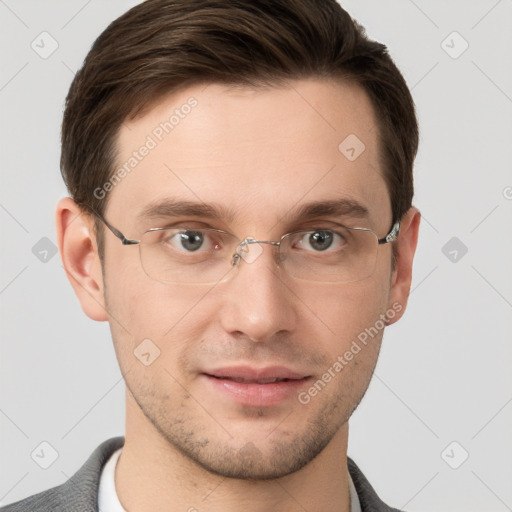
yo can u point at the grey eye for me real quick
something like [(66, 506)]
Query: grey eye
[(321, 240), (191, 240)]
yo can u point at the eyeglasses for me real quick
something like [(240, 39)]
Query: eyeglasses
[(192, 256)]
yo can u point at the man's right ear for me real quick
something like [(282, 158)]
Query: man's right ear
[(79, 253)]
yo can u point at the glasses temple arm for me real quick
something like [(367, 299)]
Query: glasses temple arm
[(392, 235), (124, 240)]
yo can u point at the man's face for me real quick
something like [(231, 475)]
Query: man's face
[(261, 154)]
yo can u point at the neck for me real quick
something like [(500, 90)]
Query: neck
[(152, 475)]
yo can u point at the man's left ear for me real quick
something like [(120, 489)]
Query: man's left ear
[(402, 275)]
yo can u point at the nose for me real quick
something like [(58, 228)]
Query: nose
[(259, 303)]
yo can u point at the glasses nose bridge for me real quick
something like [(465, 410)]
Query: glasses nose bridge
[(250, 240), (237, 256)]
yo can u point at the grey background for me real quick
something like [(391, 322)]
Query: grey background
[(444, 371)]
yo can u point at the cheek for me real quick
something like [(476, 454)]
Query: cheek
[(149, 316), (347, 310), (142, 306)]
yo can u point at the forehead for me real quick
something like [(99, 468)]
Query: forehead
[(261, 153)]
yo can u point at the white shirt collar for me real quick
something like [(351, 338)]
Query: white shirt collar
[(108, 500)]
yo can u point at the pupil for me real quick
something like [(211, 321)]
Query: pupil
[(321, 240), (191, 240)]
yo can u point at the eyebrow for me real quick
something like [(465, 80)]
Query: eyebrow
[(177, 208), (340, 207), (343, 207)]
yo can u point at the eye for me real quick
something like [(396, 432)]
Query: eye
[(190, 241), (321, 240)]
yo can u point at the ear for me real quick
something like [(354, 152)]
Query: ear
[(402, 275), (79, 253)]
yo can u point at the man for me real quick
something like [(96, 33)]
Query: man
[(240, 213)]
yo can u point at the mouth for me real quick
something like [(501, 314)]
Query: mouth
[(254, 381), (264, 387)]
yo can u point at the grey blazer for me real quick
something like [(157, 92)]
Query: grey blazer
[(80, 492)]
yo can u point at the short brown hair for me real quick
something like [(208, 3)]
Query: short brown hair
[(161, 46)]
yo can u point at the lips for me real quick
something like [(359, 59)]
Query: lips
[(259, 387), (254, 381), (254, 375)]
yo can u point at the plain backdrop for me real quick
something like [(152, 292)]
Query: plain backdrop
[(433, 431)]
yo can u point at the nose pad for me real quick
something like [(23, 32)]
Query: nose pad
[(249, 250)]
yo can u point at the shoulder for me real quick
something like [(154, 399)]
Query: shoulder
[(79, 493), (368, 498)]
